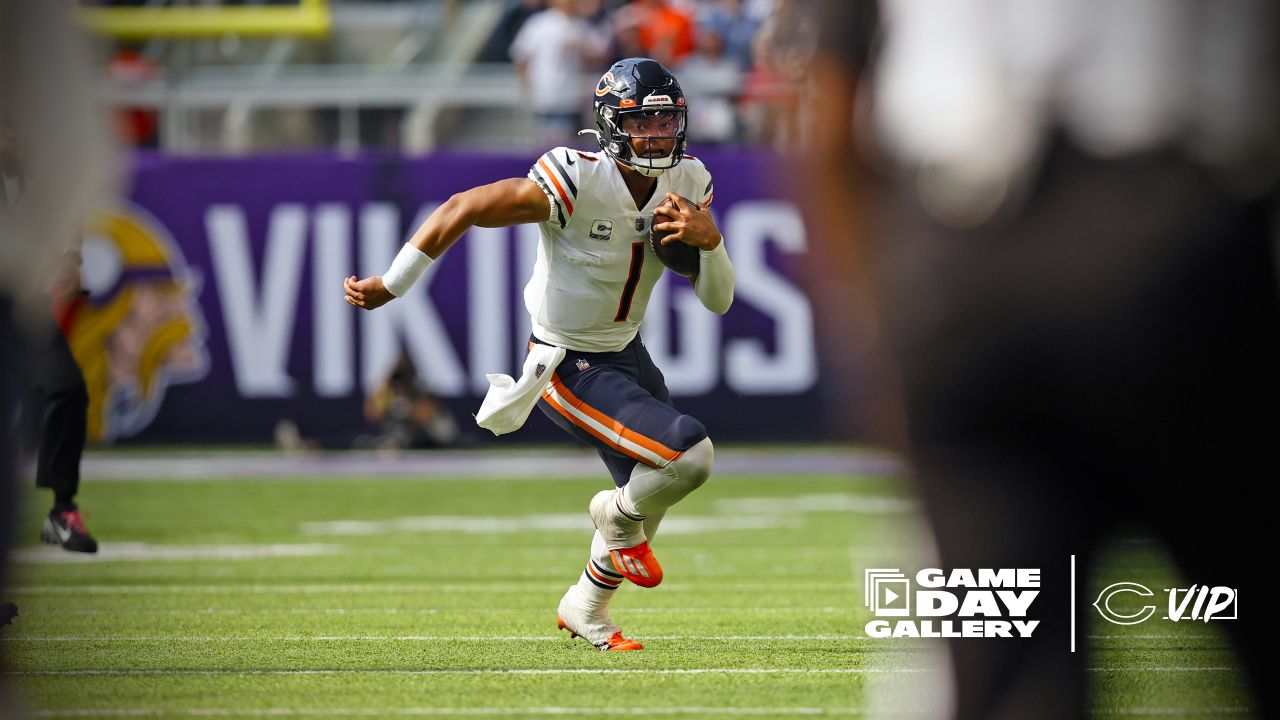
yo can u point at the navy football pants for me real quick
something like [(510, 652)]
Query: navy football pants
[(618, 403)]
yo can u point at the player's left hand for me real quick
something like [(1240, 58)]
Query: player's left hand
[(368, 293), (688, 223)]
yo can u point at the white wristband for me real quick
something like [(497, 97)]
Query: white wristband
[(405, 270)]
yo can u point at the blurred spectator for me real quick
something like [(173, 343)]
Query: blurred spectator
[(655, 29), (554, 52), (712, 118), (1075, 260), (138, 126), (784, 48), (408, 415), (735, 26), (498, 49)]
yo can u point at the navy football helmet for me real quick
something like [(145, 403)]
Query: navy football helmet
[(640, 95)]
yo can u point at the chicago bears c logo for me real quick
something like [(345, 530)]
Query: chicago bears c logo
[(605, 85), (139, 329)]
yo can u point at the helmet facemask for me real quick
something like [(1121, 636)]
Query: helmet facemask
[(649, 128)]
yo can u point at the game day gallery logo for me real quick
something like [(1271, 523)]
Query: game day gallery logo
[(963, 603)]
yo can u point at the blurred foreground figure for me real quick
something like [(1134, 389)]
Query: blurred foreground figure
[(47, 102), (1074, 270)]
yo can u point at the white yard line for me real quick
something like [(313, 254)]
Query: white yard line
[(556, 671), (565, 671), (110, 552), (399, 588), (553, 711), (448, 711), (524, 464), (547, 522), (434, 611), (398, 638), (1188, 636), (1179, 711), (515, 671)]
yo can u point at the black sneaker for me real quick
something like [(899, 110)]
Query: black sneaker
[(66, 528), (8, 611)]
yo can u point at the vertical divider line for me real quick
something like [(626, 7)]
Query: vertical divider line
[(1072, 600)]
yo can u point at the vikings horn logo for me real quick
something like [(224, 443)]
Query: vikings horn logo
[(139, 329)]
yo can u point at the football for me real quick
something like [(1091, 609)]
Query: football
[(682, 259)]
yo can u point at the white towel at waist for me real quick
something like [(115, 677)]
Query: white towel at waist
[(509, 401)]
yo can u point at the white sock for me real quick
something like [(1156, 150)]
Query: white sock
[(651, 523), (627, 507), (598, 581)]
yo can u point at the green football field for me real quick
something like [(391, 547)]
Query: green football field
[(381, 596)]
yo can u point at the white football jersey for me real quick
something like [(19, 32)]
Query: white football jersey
[(595, 268)]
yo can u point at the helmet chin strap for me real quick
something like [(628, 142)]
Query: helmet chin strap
[(649, 170)]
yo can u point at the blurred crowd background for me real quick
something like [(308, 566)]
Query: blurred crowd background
[(413, 76)]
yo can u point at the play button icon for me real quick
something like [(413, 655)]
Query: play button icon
[(882, 598)]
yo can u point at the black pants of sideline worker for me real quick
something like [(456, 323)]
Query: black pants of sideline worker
[(62, 405)]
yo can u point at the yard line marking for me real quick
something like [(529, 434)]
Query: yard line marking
[(540, 522), (453, 465), (395, 638), (1188, 636), (434, 611), (575, 711), (426, 588), (485, 711), (466, 638), (552, 671), (846, 503), (141, 551), (444, 671), (1164, 669), (1184, 711)]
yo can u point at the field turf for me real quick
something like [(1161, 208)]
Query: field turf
[(363, 596)]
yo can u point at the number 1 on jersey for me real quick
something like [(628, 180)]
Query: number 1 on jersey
[(633, 279)]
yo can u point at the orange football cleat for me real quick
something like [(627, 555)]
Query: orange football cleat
[(637, 564), (613, 642)]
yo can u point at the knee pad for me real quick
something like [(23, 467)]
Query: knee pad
[(694, 466), (687, 431)]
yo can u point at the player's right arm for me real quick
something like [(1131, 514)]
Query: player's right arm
[(507, 202)]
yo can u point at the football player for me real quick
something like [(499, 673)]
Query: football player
[(590, 286)]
